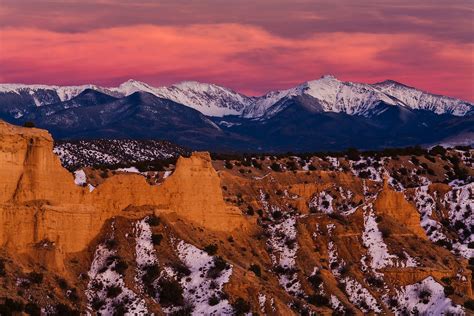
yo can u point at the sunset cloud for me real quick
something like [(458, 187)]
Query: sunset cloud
[(251, 53)]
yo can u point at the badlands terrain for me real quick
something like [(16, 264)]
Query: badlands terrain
[(384, 233)]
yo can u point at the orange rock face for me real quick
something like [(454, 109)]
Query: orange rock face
[(40, 202), (29, 170), (394, 204)]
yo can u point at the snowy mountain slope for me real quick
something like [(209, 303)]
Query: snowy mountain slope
[(213, 100), (417, 99), (209, 99), (63, 93), (358, 98)]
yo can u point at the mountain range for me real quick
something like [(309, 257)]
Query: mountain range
[(323, 114)]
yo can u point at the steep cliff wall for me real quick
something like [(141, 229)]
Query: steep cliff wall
[(29, 170), (394, 204), (41, 203)]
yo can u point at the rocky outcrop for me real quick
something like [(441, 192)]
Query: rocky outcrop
[(30, 171), (41, 203), (394, 204)]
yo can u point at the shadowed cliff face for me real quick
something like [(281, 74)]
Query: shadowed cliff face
[(310, 236)]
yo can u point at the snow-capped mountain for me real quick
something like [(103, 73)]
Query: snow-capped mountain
[(328, 92), (45, 94), (331, 94), (209, 99), (357, 98)]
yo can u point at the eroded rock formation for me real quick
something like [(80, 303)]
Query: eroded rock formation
[(41, 203)]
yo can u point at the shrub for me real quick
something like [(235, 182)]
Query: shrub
[(275, 167), (151, 273), (228, 165), (156, 239), (386, 232), (315, 280), (63, 309), (111, 244), (32, 309), (318, 300), (62, 284), (211, 249), (469, 304), (338, 217), (277, 215), (241, 306), (113, 291), (120, 267), (250, 211), (153, 220), (424, 295), (246, 163), (325, 204), (392, 302), (459, 225), (219, 265), (2, 268), (214, 300), (181, 269), (448, 290), (29, 124), (366, 174), (430, 158), (353, 154), (446, 280), (170, 292), (255, 268), (438, 150), (10, 306), (374, 281), (343, 270), (35, 277), (291, 165), (444, 243)]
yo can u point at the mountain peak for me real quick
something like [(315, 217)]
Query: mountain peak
[(390, 82), (133, 82), (329, 76)]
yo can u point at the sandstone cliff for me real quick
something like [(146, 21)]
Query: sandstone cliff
[(40, 201)]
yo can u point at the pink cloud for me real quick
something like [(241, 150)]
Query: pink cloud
[(244, 57)]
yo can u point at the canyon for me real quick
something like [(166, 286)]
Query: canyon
[(264, 235)]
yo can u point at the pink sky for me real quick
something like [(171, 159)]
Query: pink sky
[(252, 49)]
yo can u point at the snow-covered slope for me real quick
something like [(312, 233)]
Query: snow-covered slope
[(359, 98), (333, 95), (328, 92), (63, 93), (209, 99), (417, 99)]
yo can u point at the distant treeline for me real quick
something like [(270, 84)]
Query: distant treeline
[(350, 153)]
